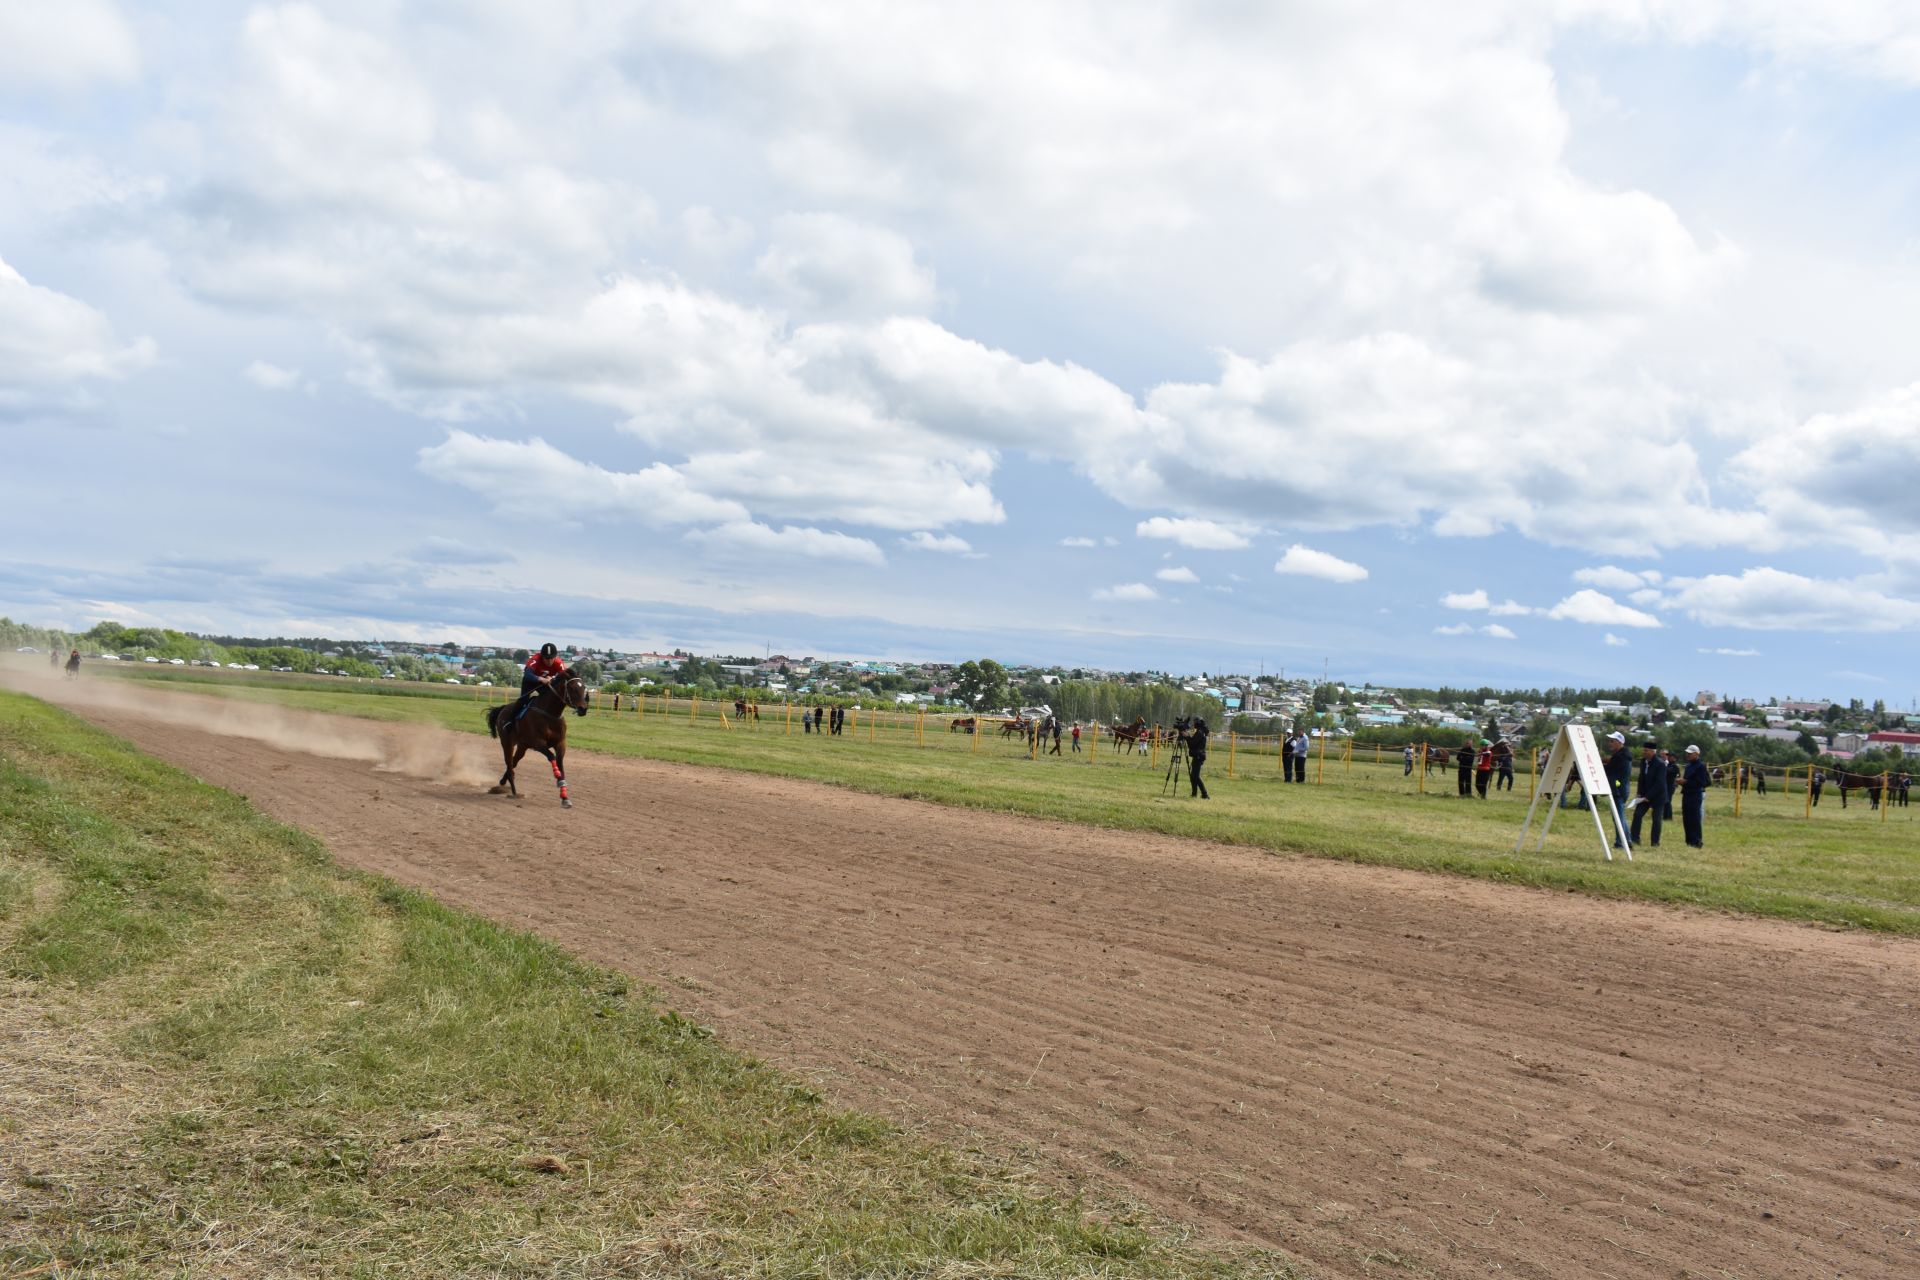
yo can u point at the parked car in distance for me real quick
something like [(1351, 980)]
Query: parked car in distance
[(26, 648), (149, 658), (176, 662), (109, 657), (452, 680)]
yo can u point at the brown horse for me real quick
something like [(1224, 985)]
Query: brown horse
[(73, 664), (1019, 727), (961, 724), (1127, 736), (744, 710), (541, 728)]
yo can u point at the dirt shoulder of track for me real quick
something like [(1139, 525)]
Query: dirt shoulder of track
[(1381, 1072)]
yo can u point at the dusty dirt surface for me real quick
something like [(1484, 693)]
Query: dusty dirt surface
[(1382, 1073)]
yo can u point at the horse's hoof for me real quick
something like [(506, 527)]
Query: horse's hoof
[(496, 791), (566, 804)]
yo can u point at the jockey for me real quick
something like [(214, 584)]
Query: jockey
[(541, 669)]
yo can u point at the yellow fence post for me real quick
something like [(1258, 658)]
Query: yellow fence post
[(873, 726), (1233, 744), (975, 735), (920, 729), (1809, 791), (789, 730), (1153, 751), (1739, 783), (1423, 768), (1346, 757), (693, 709), (1320, 766), (1886, 793), (1094, 739)]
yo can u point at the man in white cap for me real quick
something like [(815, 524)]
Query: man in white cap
[(1693, 797), (1619, 770)]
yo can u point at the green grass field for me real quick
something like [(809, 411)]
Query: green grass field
[(227, 1057), (1847, 867)]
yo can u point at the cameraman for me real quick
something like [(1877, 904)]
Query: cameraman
[(1194, 734)]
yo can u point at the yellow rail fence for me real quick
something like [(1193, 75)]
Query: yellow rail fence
[(1741, 787)]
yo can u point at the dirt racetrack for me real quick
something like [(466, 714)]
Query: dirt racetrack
[(1382, 1073)]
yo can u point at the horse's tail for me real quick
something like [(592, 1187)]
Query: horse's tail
[(493, 721)]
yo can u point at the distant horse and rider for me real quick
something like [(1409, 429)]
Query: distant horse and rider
[(744, 710), (73, 665), (963, 724), (540, 727)]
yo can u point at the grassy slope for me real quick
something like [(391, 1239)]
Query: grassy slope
[(340, 1077), (1844, 867)]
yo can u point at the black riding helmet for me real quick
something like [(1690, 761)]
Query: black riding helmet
[(548, 650)]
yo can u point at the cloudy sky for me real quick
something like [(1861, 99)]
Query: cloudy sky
[(1499, 340)]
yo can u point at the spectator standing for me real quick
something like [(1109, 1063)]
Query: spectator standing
[(1076, 737), (1302, 748), (1819, 785), (1286, 758), (1619, 768), (1650, 793), (1463, 769), (1406, 756), (1673, 783), (1483, 768), (1693, 799), (1503, 761)]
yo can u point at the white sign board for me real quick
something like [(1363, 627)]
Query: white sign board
[(1575, 753)]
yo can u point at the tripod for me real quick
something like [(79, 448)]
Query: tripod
[(1176, 769)]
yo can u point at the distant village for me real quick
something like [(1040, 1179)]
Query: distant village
[(1252, 704)]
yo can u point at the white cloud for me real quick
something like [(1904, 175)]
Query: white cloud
[(1731, 653), (1599, 610), (829, 265), (533, 480), (52, 346), (1613, 578), (756, 539), (1768, 599), (1454, 629), (271, 377), (1197, 534), (1497, 632), (1078, 542), (1178, 573), (945, 543), (1307, 562), (65, 46), (1616, 642), (1127, 591), (1477, 599)]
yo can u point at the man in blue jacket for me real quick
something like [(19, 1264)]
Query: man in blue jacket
[(1693, 797), (1650, 793)]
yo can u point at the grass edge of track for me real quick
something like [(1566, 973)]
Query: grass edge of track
[(240, 1057)]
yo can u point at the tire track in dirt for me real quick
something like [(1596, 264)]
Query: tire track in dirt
[(1381, 1072)]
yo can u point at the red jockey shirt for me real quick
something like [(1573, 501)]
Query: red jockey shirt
[(546, 666)]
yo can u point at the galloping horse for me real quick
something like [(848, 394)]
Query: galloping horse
[(744, 710), (73, 665), (541, 728)]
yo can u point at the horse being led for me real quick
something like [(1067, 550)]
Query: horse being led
[(1126, 737), (541, 728), (963, 724)]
